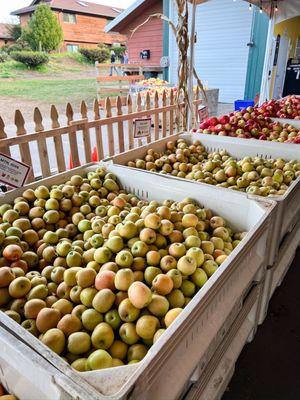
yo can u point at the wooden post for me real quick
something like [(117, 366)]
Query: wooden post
[(72, 137), (171, 127), (24, 147), (42, 145), (148, 106), (120, 126), (138, 109), (98, 130), (86, 133), (130, 122), (164, 115), (3, 135), (59, 149), (110, 132), (156, 117)]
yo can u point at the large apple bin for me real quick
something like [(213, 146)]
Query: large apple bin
[(226, 306), (283, 236)]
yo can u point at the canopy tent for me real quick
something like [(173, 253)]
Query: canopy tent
[(277, 10)]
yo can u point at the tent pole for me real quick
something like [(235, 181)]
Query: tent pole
[(191, 67)]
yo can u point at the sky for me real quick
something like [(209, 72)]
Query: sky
[(6, 6)]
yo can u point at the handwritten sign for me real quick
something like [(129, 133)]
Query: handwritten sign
[(13, 173), (203, 113), (142, 127)]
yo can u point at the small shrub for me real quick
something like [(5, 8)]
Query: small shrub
[(99, 54), (3, 57), (20, 45), (30, 58)]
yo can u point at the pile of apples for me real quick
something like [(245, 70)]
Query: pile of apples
[(288, 107), (5, 396), (154, 82), (263, 177), (252, 123), (99, 275)]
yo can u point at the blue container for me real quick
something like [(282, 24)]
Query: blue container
[(241, 104)]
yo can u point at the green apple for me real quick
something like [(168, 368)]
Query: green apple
[(90, 318), (103, 300), (102, 336), (113, 319), (99, 359), (128, 333), (199, 277)]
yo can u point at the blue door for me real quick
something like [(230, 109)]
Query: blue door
[(257, 49)]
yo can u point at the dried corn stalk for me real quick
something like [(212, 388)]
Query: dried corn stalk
[(181, 33)]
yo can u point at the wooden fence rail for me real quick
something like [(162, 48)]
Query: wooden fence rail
[(104, 133)]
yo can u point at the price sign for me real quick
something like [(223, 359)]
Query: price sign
[(13, 173), (142, 127), (203, 113)]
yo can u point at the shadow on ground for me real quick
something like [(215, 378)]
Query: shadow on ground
[(269, 367)]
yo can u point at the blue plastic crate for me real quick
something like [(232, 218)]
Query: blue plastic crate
[(241, 104)]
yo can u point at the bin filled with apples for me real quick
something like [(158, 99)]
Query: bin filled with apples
[(256, 122), (97, 274), (255, 175)]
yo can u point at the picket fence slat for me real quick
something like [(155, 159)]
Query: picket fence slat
[(74, 156), (42, 144), (58, 144), (3, 135), (98, 131), (24, 147)]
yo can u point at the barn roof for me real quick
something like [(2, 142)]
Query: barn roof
[(129, 14), (78, 6)]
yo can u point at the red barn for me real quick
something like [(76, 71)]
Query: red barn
[(148, 37)]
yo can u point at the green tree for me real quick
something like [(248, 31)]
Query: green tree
[(43, 31), (14, 30)]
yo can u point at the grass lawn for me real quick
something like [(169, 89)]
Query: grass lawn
[(51, 91)]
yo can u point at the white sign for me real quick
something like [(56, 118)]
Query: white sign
[(142, 127), (13, 173), (203, 113)]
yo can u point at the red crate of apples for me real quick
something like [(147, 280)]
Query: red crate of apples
[(256, 122)]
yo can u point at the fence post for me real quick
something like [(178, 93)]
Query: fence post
[(110, 132), (138, 109), (171, 122), (42, 145), (24, 147), (130, 122), (164, 115), (98, 130), (59, 149), (148, 107), (120, 126), (3, 135), (156, 117), (86, 133), (72, 137)]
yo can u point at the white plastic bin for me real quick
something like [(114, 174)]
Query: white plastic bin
[(276, 274), (288, 209), (212, 384), (29, 376), (200, 328)]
